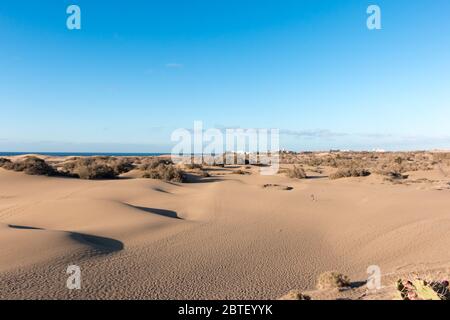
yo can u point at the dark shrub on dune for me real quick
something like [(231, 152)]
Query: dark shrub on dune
[(394, 176), (95, 172), (349, 172), (31, 166), (90, 169), (122, 165), (240, 171), (296, 173), (4, 161), (193, 166), (97, 167), (153, 163), (166, 172), (83, 168)]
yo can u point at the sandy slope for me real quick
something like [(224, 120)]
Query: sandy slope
[(226, 237)]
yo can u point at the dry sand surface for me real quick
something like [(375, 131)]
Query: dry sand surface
[(229, 236)]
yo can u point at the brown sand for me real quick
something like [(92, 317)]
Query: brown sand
[(226, 237)]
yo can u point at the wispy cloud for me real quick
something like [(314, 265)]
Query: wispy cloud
[(320, 133), (174, 65), (61, 146)]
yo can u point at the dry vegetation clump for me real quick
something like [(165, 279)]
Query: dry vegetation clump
[(296, 173), (192, 166), (405, 162), (294, 295), (31, 166), (96, 167), (317, 170), (93, 168), (375, 162), (349, 172), (161, 169), (153, 163), (217, 164), (213, 161), (332, 280), (122, 165), (241, 172), (441, 159), (166, 172), (195, 168), (395, 175), (4, 161)]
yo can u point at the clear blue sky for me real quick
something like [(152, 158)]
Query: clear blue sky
[(139, 69)]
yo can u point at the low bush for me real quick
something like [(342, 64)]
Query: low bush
[(31, 166), (241, 172), (94, 171), (97, 167), (153, 163), (93, 168), (296, 173), (192, 166), (4, 161), (122, 165), (166, 172), (349, 172)]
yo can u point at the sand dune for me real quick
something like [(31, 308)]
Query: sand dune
[(231, 237)]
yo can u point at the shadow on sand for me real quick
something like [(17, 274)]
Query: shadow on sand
[(161, 212), (106, 245)]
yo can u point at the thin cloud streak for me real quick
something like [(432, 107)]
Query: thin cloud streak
[(174, 65)]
